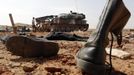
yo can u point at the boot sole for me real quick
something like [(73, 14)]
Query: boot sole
[(28, 47), (91, 68)]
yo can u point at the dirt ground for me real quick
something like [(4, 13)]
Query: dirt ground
[(64, 63)]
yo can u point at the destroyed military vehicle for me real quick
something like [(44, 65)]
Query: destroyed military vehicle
[(64, 22)]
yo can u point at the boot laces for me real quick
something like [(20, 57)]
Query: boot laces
[(110, 66)]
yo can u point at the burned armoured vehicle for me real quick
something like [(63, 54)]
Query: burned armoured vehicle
[(64, 22)]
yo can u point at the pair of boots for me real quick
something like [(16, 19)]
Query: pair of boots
[(91, 58)]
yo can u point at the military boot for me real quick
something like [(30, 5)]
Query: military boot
[(91, 58), (120, 18), (31, 46)]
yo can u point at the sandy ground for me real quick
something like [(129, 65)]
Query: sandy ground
[(64, 63)]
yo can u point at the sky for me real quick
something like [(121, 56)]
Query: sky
[(24, 10)]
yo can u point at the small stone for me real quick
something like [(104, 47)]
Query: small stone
[(4, 70), (131, 40), (29, 67), (53, 69), (118, 53), (14, 64), (1, 57), (57, 73), (7, 73)]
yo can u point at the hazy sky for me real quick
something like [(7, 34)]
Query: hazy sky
[(24, 10)]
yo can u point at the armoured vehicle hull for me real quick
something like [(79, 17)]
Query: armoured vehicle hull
[(63, 22)]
